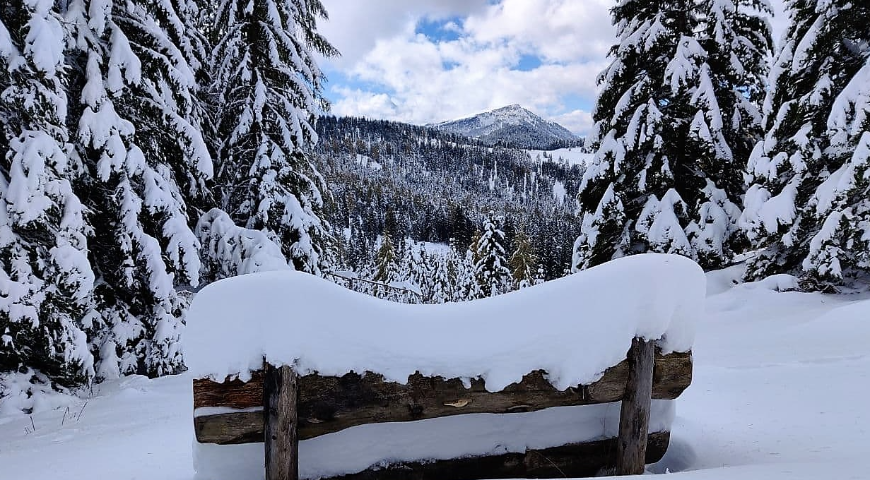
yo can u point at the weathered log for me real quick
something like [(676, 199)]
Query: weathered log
[(232, 393), (635, 410), (331, 404), (279, 414), (573, 460)]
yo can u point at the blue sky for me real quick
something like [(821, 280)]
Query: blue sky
[(426, 61)]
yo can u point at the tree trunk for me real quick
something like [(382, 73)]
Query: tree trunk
[(280, 393), (634, 415)]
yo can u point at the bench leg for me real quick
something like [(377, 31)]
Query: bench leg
[(280, 393), (634, 415)]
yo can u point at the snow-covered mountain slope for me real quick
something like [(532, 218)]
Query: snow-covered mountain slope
[(571, 156), (512, 125), (777, 394)]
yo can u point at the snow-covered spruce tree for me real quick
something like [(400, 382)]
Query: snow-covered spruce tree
[(9, 56), (467, 287), (386, 261), (268, 87), (523, 261), (807, 207), (229, 250), (442, 285), (45, 279), (490, 265), (664, 177), (638, 117), (139, 142), (418, 269), (727, 94)]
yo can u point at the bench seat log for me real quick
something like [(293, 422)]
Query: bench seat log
[(330, 404), (573, 460)]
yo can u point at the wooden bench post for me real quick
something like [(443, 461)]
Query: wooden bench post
[(634, 415), (280, 395)]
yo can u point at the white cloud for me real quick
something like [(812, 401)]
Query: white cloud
[(560, 30), (401, 75), (354, 26), (576, 120)]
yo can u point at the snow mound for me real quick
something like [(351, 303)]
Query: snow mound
[(573, 328)]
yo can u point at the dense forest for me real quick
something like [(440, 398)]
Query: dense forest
[(419, 184), (148, 149)]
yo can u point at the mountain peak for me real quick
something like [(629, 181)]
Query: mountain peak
[(511, 125)]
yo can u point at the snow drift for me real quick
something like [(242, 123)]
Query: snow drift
[(573, 328)]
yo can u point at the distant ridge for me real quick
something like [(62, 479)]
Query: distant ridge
[(512, 126)]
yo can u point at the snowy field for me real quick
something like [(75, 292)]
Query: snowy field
[(779, 392), (571, 156)]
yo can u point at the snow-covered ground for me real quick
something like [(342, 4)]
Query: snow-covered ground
[(779, 392), (571, 156)]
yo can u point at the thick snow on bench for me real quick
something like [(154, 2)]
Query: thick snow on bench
[(574, 328)]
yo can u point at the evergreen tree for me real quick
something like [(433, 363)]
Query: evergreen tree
[(144, 159), (490, 266), (523, 261), (386, 261), (9, 56), (640, 118), (45, 279), (443, 278), (807, 207), (677, 105), (729, 88), (269, 87), (467, 287), (229, 250)]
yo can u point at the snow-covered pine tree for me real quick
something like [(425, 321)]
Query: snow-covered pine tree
[(671, 117), (138, 139), (523, 261), (269, 88), (184, 23), (641, 121), (490, 265), (45, 278), (442, 285), (728, 91), (9, 55), (386, 261), (807, 207), (229, 250), (418, 268), (466, 288)]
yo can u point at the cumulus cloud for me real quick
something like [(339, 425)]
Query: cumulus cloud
[(542, 54), (355, 26)]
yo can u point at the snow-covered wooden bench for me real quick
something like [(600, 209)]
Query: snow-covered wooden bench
[(389, 391)]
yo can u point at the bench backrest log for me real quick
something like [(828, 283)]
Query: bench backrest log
[(279, 408)]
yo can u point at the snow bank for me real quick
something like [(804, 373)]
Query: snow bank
[(574, 328), (353, 450)]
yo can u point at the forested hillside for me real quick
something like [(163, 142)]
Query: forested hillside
[(419, 184)]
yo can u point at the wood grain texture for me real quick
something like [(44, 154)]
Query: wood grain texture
[(635, 409), (331, 404), (280, 391), (574, 460)]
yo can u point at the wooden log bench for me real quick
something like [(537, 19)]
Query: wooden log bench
[(278, 408)]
